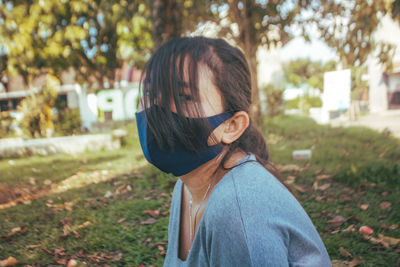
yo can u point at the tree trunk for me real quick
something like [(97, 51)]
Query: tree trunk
[(255, 110), (250, 45), (166, 22)]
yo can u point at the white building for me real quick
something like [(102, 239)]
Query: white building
[(384, 87)]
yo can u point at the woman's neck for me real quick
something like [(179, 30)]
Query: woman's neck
[(207, 175)]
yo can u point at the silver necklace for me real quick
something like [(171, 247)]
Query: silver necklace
[(192, 229)]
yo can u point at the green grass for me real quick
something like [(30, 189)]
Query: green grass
[(111, 189)]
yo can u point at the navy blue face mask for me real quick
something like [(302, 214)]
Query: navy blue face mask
[(178, 161)]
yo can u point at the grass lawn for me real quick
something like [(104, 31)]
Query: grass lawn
[(111, 209)]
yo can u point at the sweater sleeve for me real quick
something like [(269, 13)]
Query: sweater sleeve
[(277, 229)]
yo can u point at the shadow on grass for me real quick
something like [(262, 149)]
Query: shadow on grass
[(54, 168), (27, 180)]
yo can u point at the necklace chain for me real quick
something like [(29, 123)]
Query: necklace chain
[(192, 228)]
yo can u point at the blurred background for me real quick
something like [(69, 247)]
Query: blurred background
[(74, 186)]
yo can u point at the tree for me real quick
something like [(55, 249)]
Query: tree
[(174, 18), (396, 10), (303, 71), (349, 27), (259, 23), (92, 36)]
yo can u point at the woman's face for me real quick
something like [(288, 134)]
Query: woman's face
[(210, 96)]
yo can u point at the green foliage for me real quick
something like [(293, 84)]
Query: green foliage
[(274, 99), (116, 220), (38, 118), (5, 124), (353, 37), (359, 88), (68, 122), (303, 103), (396, 10), (91, 36), (304, 71)]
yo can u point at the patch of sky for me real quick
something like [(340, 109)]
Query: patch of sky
[(3, 50), (100, 19), (81, 20), (104, 48), (214, 8), (84, 44), (240, 5), (93, 40), (9, 5), (223, 8), (287, 7), (91, 52), (93, 31)]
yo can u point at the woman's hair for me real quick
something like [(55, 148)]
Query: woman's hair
[(163, 83)]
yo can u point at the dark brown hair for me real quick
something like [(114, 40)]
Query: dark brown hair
[(163, 83)]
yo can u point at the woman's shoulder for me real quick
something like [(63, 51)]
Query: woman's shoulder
[(249, 187), (253, 180)]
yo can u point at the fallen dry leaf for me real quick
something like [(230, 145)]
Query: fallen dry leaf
[(149, 221), (165, 213), (315, 185), (319, 171), (350, 228), (61, 261), (121, 220), (10, 261), (365, 230), (162, 195), (153, 213), (300, 188), (288, 167), (162, 250), (14, 231), (382, 154), (101, 257), (339, 263), (385, 205), (391, 240), (323, 177), (364, 206), (355, 262), (337, 221), (345, 252), (290, 179), (72, 263), (376, 241), (84, 225), (324, 187)]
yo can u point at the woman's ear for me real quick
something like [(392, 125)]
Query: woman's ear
[(235, 127)]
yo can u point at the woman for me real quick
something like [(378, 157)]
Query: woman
[(227, 208)]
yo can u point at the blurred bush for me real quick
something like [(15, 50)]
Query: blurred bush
[(46, 114), (68, 122), (6, 121), (303, 103), (38, 119), (274, 99)]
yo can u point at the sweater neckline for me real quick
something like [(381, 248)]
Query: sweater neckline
[(179, 212)]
